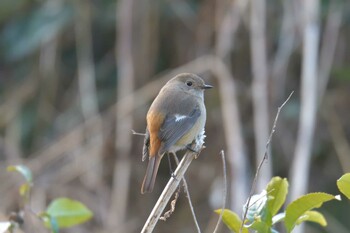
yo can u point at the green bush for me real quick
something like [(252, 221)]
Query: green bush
[(262, 212)]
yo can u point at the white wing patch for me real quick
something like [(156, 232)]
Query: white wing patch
[(179, 117)]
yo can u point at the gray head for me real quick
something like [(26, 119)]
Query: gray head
[(190, 83)]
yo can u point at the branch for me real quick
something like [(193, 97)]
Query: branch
[(188, 198), (222, 153), (171, 187), (137, 133), (263, 160)]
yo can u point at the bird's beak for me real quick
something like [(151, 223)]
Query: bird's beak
[(206, 86)]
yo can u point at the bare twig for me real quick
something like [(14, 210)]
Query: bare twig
[(187, 191), (222, 154), (263, 159), (169, 190), (136, 133)]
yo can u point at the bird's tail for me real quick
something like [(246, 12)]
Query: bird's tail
[(151, 174)]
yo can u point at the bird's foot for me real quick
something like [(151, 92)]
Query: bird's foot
[(189, 147)]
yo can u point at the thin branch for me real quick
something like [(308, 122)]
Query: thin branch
[(189, 198), (170, 189), (222, 154), (136, 133), (263, 159)]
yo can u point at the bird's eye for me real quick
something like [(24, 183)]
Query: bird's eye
[(189, 83)]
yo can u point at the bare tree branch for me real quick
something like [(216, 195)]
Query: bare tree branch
[(187, 191), (170, 189), (224, 198), (263, 160)]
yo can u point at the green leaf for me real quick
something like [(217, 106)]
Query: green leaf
[(232, 220), (343, 184), (23, 170), (261, 227), (277, 190), (68, 212), (4, 226), (307, 202), (278, 218), (312, 216), (257, 208)]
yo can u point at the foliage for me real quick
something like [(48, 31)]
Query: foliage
[(232, 220), (61, 212), (344, 184), (262, 213), (68, 212), (298, 208)]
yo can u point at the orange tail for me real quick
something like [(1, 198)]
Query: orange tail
[(151, 174)]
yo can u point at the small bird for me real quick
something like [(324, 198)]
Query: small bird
[(176, 117)]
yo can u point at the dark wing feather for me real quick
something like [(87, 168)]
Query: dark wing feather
[(145, 150), (172, 130)]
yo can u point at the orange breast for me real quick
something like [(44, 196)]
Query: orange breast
[(154, 122)]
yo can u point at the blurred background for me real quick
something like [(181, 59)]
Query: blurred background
[(76, 77)]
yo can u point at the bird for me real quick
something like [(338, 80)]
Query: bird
[(174, 120)]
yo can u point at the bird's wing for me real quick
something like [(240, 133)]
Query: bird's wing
[(175, 126), (145, 150)]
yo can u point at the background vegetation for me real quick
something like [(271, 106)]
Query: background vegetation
[(77, 76)]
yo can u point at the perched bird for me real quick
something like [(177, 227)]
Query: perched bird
[(176, 117)]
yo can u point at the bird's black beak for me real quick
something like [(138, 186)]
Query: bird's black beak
[(206, 86)]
